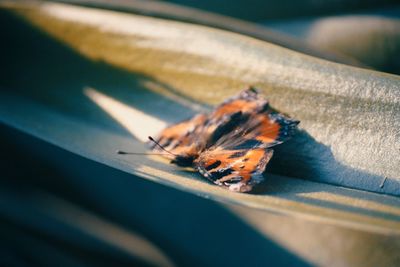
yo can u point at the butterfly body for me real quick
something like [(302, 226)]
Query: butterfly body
[(231, 146)]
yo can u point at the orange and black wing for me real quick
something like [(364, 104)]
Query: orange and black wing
[(234, 113), (242, 124), (238, 159), (238, 170), (189, 138), (184, 140), (260, 130)]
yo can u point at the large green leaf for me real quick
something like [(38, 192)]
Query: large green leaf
[(73, 76)]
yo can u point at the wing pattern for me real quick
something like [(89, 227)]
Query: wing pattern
[(232, 145)]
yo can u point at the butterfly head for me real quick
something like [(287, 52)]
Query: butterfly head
[(183, 160)]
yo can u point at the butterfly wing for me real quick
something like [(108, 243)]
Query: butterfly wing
[(247, 101), (238, 170), (187, 139), (233, 113), (231, 146), (260, 130), (238, 159), (183, 140)]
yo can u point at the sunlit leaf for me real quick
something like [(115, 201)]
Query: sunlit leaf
[(94, 81)]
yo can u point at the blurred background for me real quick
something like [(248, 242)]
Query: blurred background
[(367, 32), (61, 209)]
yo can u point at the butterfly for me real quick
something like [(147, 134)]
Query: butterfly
[(231, 145)]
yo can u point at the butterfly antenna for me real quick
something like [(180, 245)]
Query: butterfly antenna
[(160, 146), (135, 153)]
